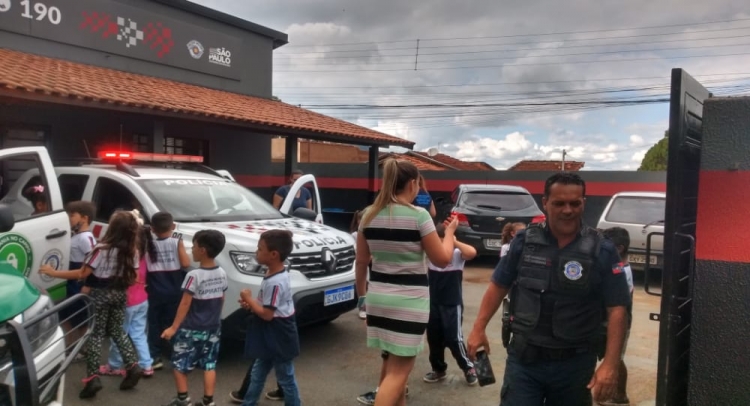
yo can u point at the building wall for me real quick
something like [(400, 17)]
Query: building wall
[(319, 152), (254, 56), (70, 130)]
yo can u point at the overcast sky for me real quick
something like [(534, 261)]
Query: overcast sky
[(510, 63)]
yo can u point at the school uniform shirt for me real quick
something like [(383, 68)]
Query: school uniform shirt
[(277, 338), (445, 283), (165, 275), (504, 250), (207, 286), (81, 245), (103, 262)]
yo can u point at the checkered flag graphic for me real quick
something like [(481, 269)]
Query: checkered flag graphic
[(129, 32)]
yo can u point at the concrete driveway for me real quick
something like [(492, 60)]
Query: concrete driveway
[(336, 366)]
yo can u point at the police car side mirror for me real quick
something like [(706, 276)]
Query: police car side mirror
[(305, 214), (7, 221)]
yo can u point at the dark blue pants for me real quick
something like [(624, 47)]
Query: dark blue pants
[(548, 383), (161, 313)]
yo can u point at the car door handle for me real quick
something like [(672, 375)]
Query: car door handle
[(56, 234)]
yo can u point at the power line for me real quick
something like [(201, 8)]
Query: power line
[(506, 83), (538, 56), (529, 35), (513, 64), (410, 55)]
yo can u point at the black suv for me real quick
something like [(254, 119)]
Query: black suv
[(483, 211)]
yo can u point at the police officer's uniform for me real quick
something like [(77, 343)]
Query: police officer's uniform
[(559, 298)]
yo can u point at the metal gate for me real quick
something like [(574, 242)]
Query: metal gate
[(684, 155)]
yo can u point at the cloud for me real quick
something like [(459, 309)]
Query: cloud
[(525, 69)]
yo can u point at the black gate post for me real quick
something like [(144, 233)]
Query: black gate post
[(290, 156), (720, 333)]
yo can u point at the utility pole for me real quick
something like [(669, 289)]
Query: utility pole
[(563, 161)]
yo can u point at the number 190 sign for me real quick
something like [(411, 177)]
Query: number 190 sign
[(34, 10)]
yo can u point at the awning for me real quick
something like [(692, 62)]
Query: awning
[(34, 77)]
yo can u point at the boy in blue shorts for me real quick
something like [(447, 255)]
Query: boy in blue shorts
[(272, 339), (196, 330)]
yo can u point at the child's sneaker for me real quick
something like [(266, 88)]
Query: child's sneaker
[(367, 398), (434, 376), (202, 402), (235, 396), (275, 394), (107, 370), (178, 402), (132, 376), (91, 386), (148, 372), (471, 377), (158, 364)]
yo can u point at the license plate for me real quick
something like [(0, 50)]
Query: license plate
[(338, 295), (641, 259), (493, 243)]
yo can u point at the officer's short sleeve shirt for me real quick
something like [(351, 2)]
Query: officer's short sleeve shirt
[(614, 286)]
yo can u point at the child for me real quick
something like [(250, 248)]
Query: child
[(109, 270), (509, 231), (38, 198), (446, 314), (621, 239), (81, 243), (136, 313), (197, 326), (164, 281), (353, 230), (272, 339)]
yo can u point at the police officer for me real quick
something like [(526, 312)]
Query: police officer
[(564, 282)]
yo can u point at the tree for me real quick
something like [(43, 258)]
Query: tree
[(656, 157)]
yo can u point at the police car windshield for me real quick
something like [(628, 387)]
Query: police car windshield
[(201, 200)]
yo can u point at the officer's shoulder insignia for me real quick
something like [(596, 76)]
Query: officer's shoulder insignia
[(573, 270), (618, 268)]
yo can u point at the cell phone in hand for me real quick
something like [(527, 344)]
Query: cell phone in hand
[(482, 365)]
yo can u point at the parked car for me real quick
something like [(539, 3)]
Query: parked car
[(483, 210), (641, 213)]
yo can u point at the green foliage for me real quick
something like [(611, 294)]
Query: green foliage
[(656, 156)]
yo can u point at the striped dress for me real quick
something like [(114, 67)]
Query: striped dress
[(398, 298)]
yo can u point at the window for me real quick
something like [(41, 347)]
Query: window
[(24, 188), (186, 146), (497, 200), (637, 210), (72, 187), (110, 196), (142, 143)]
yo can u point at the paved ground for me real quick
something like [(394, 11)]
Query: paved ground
[(336, 365)]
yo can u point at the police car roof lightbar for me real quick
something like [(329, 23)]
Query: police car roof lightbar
[(149, 157)]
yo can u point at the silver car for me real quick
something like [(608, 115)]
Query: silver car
[(641, 213)]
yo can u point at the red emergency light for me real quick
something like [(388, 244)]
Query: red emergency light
[(149, 157)]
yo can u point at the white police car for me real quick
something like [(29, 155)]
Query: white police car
[(321, 264)]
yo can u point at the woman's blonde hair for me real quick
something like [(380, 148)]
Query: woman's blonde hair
[(507, 233), (396, 176)]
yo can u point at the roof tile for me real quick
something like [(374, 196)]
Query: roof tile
[(58, 78)]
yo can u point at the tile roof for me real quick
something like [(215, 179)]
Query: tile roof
[(36, 77), (546, 166), (421, 164), (457, 163)]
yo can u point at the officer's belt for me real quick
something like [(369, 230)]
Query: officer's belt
[(534, 353)]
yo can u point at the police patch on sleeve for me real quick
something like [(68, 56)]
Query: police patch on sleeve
[(573, 270), (618, 268)]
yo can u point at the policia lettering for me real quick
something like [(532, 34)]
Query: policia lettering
[(555, 302), (16, 250)]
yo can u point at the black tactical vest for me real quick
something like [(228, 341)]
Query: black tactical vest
[(556, 301)]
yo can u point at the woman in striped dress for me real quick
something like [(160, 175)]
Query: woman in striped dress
[(397, 235)]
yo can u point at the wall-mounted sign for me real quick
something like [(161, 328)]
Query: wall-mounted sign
[(112, 27)]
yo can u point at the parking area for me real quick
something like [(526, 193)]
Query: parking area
[(335, 365)]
